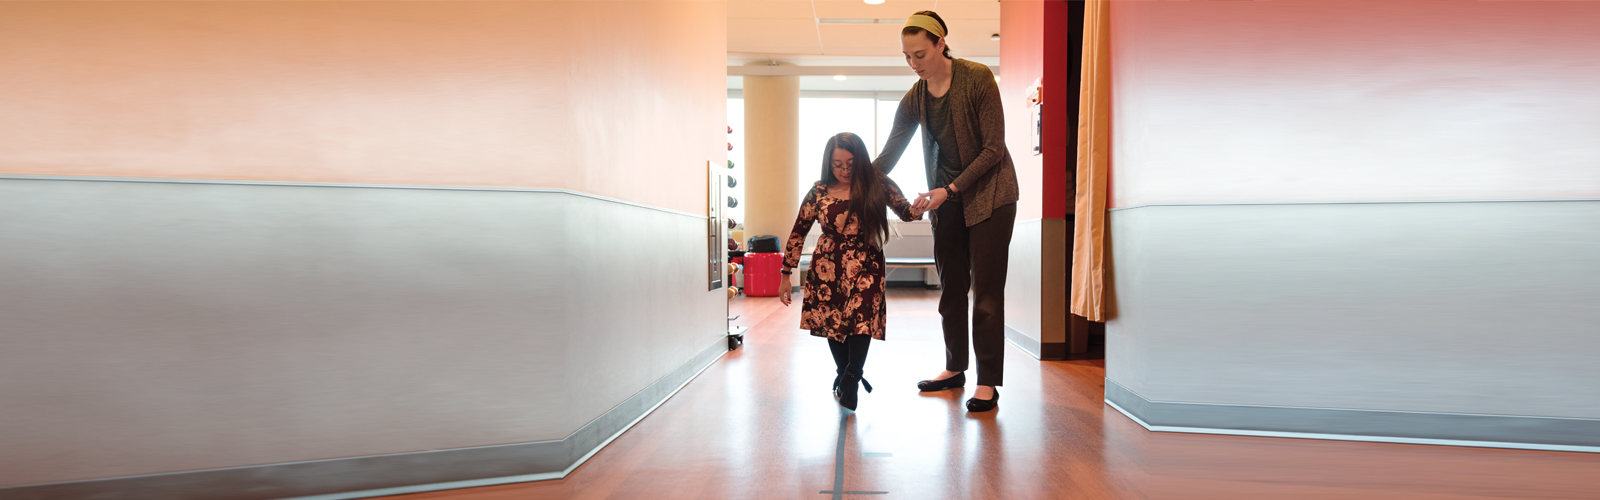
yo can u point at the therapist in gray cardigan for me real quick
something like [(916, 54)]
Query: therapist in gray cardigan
[(972, 192)]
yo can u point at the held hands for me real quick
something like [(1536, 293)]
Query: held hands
[(929, 200), (784, 290)]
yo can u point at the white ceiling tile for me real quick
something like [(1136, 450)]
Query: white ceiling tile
[(735, 59), (949, 10), (969, 26), (769, 9), (769, 28), (970, 38), (761, 35), (891, 9), (881, 37), (780, 53), (862, 52)]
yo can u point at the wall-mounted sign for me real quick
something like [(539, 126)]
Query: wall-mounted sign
[(1036, 114), (714, 238)]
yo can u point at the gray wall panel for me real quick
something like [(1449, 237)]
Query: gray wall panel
[(1023, 276), (1470, 308), (161, 327), (633, 289)]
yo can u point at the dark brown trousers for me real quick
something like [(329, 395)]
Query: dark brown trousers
[(974, 258)]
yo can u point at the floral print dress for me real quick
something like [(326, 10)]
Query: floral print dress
[(844, 289)]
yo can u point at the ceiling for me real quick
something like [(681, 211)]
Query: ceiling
[(790, 31), (888, 86)]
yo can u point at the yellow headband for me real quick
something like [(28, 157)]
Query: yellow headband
[(927, 23)]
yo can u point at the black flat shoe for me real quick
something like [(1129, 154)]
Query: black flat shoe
[(976, 405), (960, 379)]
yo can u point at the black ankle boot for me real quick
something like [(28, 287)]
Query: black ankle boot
[(841, 357), (864, 385), (976, 405), (847, 391)]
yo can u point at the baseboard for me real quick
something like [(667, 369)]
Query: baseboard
[(402, 473), (1044, 351), (1450, 429), (1094, 352)]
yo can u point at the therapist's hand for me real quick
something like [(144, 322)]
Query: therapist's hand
[(929, 201)]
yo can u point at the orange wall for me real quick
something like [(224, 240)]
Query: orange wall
[(621, 99), (1022, 61)]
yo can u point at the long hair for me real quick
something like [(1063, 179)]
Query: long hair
[(912, 30), (868, 198)]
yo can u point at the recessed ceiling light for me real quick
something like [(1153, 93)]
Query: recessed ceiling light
[(838, 77), (873, 2), (995, 37)]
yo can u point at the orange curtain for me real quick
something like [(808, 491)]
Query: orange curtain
[(1094, 156)]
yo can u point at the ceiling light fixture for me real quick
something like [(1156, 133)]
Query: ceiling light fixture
[(838, 78), (873, 2), (995, 37)]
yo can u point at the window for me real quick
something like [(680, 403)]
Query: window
[(909, 173), (821, 118), (872, 119)]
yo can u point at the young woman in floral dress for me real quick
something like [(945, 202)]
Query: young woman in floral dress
[(843, 298)]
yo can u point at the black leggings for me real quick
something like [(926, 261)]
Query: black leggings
[(850, 356)]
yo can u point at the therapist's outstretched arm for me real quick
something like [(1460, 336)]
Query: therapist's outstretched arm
[(905, 125)]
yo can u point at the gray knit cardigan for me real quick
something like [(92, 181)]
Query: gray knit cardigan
[(989, 180)]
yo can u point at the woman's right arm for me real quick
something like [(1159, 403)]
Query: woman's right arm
[(797, 241), (897, 201), (905, 125), (802, 225)]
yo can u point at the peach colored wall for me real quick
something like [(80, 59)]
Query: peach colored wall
[(1021, 61), (622, 99), (1323, 100)]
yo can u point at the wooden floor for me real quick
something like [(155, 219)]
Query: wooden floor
[(761, 423)]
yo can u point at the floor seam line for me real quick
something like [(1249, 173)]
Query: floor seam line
[(838, 459)]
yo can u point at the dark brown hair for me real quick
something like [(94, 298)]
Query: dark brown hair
[(912, 30), (868, 196)]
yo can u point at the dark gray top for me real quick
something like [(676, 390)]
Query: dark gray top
[(945, 149)]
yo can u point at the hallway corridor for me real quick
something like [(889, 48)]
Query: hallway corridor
[(760, 423)]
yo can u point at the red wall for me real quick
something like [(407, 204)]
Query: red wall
[(1060, 113), (1035, 45)]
